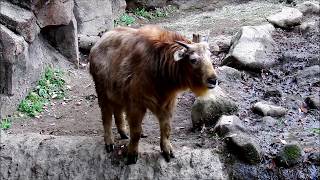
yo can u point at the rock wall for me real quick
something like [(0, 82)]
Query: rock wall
[(38, 33), (34, 156)]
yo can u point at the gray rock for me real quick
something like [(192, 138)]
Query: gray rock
[(146, 3), (289, 155), (34, 156), (244, 147), (309, 7), (14, 57), (287, 18), (252, 48), (93, 17), (228, 124), (19, 20), (309, 26), (315, 157), (118, 8), (269, 121), (55, 12), (65, 39), (209, 108), (27, 4), (313, 101), (308, 73), (227, 74), (272, 92), (268, 109), (86, 42), (222, 42)]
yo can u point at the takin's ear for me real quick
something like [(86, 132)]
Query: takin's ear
[(179, 54)]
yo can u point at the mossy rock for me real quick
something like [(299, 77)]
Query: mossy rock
[(289, 155)]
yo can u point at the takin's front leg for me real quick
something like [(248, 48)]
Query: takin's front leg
[(135, 117), (165, 129)]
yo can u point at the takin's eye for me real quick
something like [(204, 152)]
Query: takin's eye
[(194, 61)]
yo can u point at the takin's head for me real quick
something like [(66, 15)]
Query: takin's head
[(197, 63)]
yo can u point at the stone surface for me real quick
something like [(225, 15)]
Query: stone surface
[(228, 74), (315, 157), (34, 156), (55, 12), (289, 155), (309, 26), (27, 4), (268, 109), (65, 40), (228, 124), (309, 73), (86, 42), (133, 4), (244, 147), (272, 92), (252, 48), (209, 108), (118, 8), (287, 18), (313, 101), (309, 7), (13, 60), (19, 20), (93, 17), (269, 121), (223, 43)]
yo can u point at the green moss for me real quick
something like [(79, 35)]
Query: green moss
[(289, 155)]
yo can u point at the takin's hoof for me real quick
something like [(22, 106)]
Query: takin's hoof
[(168, 156), (132, 159), (123, 135), (109, 148)]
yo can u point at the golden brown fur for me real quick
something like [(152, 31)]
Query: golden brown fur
[(135, 70)]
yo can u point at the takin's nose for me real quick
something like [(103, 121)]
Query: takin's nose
[(212, 82)]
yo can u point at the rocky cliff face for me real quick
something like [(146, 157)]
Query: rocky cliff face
[(38, 33)]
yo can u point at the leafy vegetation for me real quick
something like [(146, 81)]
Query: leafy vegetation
[(50, 86), (125, 20), (129, 18), (5, 123), (316, 130)]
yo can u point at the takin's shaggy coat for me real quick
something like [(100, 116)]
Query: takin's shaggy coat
[(139, 69)]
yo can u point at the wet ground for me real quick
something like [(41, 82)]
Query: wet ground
[(79, 114)]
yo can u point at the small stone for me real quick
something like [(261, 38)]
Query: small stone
[(209, 108), (309, 7), (309, 26), (86, 42), (227, 74), (313, 102), (287, 18), (272, 93), (269, 110), (315, 157), (289, 155), (78, 103), (228, 124), (245, 147), (269, 121)]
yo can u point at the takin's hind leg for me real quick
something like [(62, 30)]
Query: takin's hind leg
[(106, 112), (135, 117), (120, 122)]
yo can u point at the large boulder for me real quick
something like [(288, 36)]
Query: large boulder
[(34, 156), (56, 12), (309, 7), (287, 18), (118, 8), (65, 39), (93, 17), (209, 108), (252, 48), (19, 20)]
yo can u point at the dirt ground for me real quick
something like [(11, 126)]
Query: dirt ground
[(79, 113)]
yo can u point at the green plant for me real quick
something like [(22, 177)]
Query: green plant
[(50, 86), (5, 123), (125, 20), (143, 13), (316, 130)]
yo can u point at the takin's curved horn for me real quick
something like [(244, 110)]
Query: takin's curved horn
[(183, 44)]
